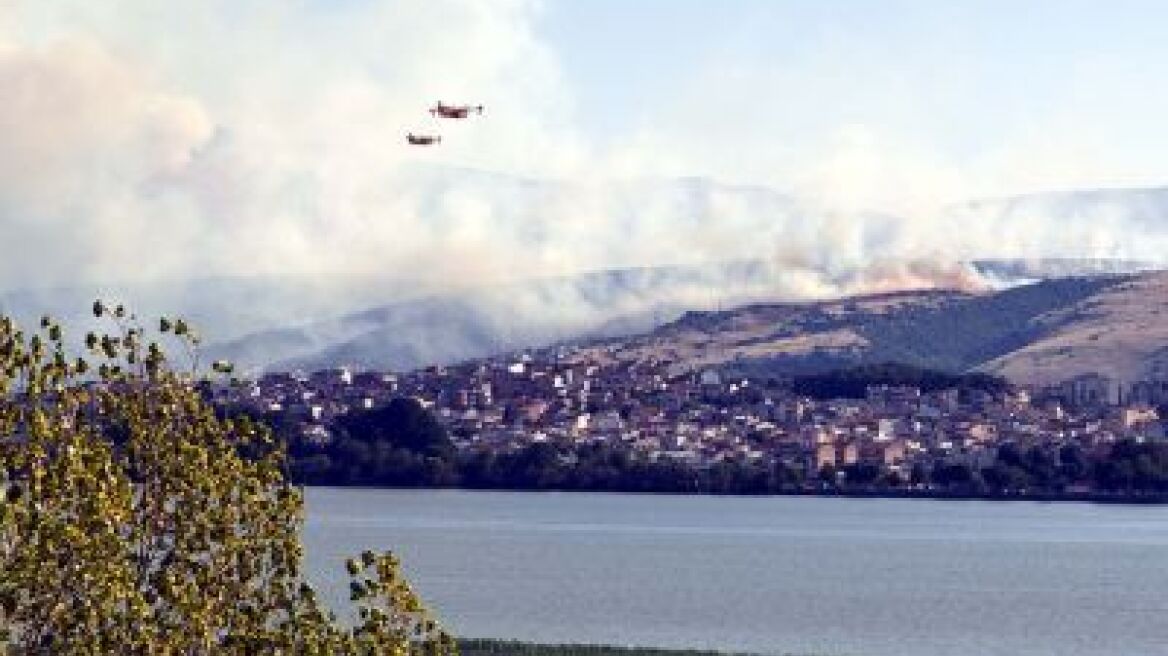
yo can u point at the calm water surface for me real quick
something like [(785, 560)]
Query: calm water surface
[(876, 577)]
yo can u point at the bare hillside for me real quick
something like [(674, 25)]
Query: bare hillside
[(1042, 332), (793, 336), (1121, 332)]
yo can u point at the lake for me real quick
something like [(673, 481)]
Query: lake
[(878, 577)]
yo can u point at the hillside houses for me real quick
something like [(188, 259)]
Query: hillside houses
[(505, 404)]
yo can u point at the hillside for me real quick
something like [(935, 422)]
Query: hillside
[(1038, 333), (1122, 332), (738, 244), (1034, 332), (445, 328), (440, 328)]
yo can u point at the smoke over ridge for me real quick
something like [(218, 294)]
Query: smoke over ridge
[(232, 140)]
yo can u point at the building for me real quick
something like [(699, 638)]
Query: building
[(1091, 390)]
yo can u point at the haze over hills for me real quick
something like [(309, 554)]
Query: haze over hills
[(444, 328), (331, 240), (817, 256), (744, 244), (944, 328)]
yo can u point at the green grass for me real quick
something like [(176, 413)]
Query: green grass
[(480, 647)]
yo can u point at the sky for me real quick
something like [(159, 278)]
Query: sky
[(981, 98), (147, 140)]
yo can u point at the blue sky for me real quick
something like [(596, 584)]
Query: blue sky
[(957, 78), (959, 81), (1008, 57)]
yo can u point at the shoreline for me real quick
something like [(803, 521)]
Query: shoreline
[(495, 647), (1091, 497)]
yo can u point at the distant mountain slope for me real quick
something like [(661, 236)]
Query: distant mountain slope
[(450, 327), (765, 246), (779, 337), (1041, 332), (1019, 270), (1141, 209), (1121, 331), (223, 308), (947, 329), (964, 334)]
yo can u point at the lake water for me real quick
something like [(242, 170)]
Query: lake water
[(878, 577)]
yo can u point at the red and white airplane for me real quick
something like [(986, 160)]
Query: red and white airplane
[(423, 139), (454, 111)]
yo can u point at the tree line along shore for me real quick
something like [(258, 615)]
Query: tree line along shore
[(486, 647), (402, 444)]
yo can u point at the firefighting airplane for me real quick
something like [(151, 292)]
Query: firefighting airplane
[(423, 139), (454, 111)]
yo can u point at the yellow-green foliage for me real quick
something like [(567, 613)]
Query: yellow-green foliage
[(134, 520)]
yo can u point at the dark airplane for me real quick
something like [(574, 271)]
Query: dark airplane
[(454, 111), (423, 139)]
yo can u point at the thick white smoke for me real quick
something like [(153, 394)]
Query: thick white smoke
[(171, 141), (231, 138)]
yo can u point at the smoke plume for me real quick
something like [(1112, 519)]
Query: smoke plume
[(160, 144)]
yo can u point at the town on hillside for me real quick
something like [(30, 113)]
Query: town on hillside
[(898, 435)]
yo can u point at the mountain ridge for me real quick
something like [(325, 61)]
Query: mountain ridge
[(1038, 334)]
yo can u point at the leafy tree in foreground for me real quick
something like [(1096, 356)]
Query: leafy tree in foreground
[(134, 520)]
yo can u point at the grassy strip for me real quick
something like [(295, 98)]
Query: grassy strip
[(482, 647)]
